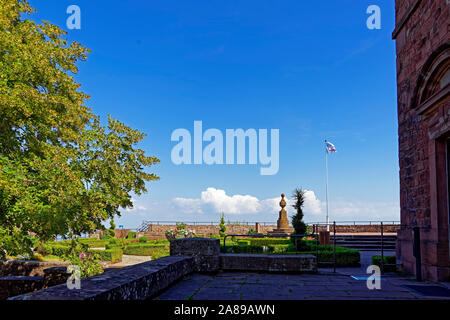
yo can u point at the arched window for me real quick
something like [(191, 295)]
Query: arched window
[(434, 77), (438, 80)]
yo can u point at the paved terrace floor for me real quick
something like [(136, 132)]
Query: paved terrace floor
[(323, 285)]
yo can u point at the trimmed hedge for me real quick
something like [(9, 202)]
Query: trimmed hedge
[(376, 260), (113, 255), (113, 245), (267, 241), (154, 250), (131, 235), (344, 256), (143, 239), (242, 249)]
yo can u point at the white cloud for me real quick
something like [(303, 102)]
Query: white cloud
[(214, 200), (136, 206)]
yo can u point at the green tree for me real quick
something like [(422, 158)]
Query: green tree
[(297, 219), (222, 226), (61, 171)]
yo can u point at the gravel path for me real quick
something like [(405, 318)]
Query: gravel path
[(128, 260)]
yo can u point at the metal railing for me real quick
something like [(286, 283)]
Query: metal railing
[(145, 224), (355, 222)]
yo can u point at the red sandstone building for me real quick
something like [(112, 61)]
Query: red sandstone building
[(423, 85)]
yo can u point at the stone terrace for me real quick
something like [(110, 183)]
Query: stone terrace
[(263, 286)]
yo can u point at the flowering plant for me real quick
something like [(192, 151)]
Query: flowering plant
[(179, 233)]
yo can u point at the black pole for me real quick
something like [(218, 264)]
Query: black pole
[(334, 246), (382, 250), (417, 253), (317, 248)]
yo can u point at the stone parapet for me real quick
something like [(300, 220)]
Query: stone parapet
[(204, 251), (137, 282), (301, 263)]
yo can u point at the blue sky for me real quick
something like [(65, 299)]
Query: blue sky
[(311, 69)]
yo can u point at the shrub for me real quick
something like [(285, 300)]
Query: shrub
[(222, 226), (60, 250), (143, 239), (113, 255), (344, 257), (376, 260), (267, 241), (243, 242), (280, 248), (153, 250), (109, 233), (113, 245), (115, 241), (242, 249), (297, 220), (131, 235), (45, 249)]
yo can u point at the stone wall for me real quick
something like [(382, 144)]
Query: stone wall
[(158, 230), (135, 282), (19, 277), (422, 46), (27, 268), (145, 280), (374, 228)]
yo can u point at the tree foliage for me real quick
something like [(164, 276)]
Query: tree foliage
[(297, 220), (61, 171)]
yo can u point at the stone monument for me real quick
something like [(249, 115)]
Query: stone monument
[(282, 222)]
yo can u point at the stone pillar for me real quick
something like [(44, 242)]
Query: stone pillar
[(258, 227), (282, 222), (205, 252)]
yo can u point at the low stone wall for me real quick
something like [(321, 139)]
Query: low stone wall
[(27, 268), (145, 280), (157, 231), (268, 263), (11, 286), (137, 282), (362, 228), (19, 277)]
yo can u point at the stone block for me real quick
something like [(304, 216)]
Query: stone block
[(55, 275), (268, 263), (195, 247), (11, 286)]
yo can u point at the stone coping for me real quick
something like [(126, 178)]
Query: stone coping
[(300, 263), (137, 282), (27, 267)]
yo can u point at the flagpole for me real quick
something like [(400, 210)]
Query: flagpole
[(326, 165)]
